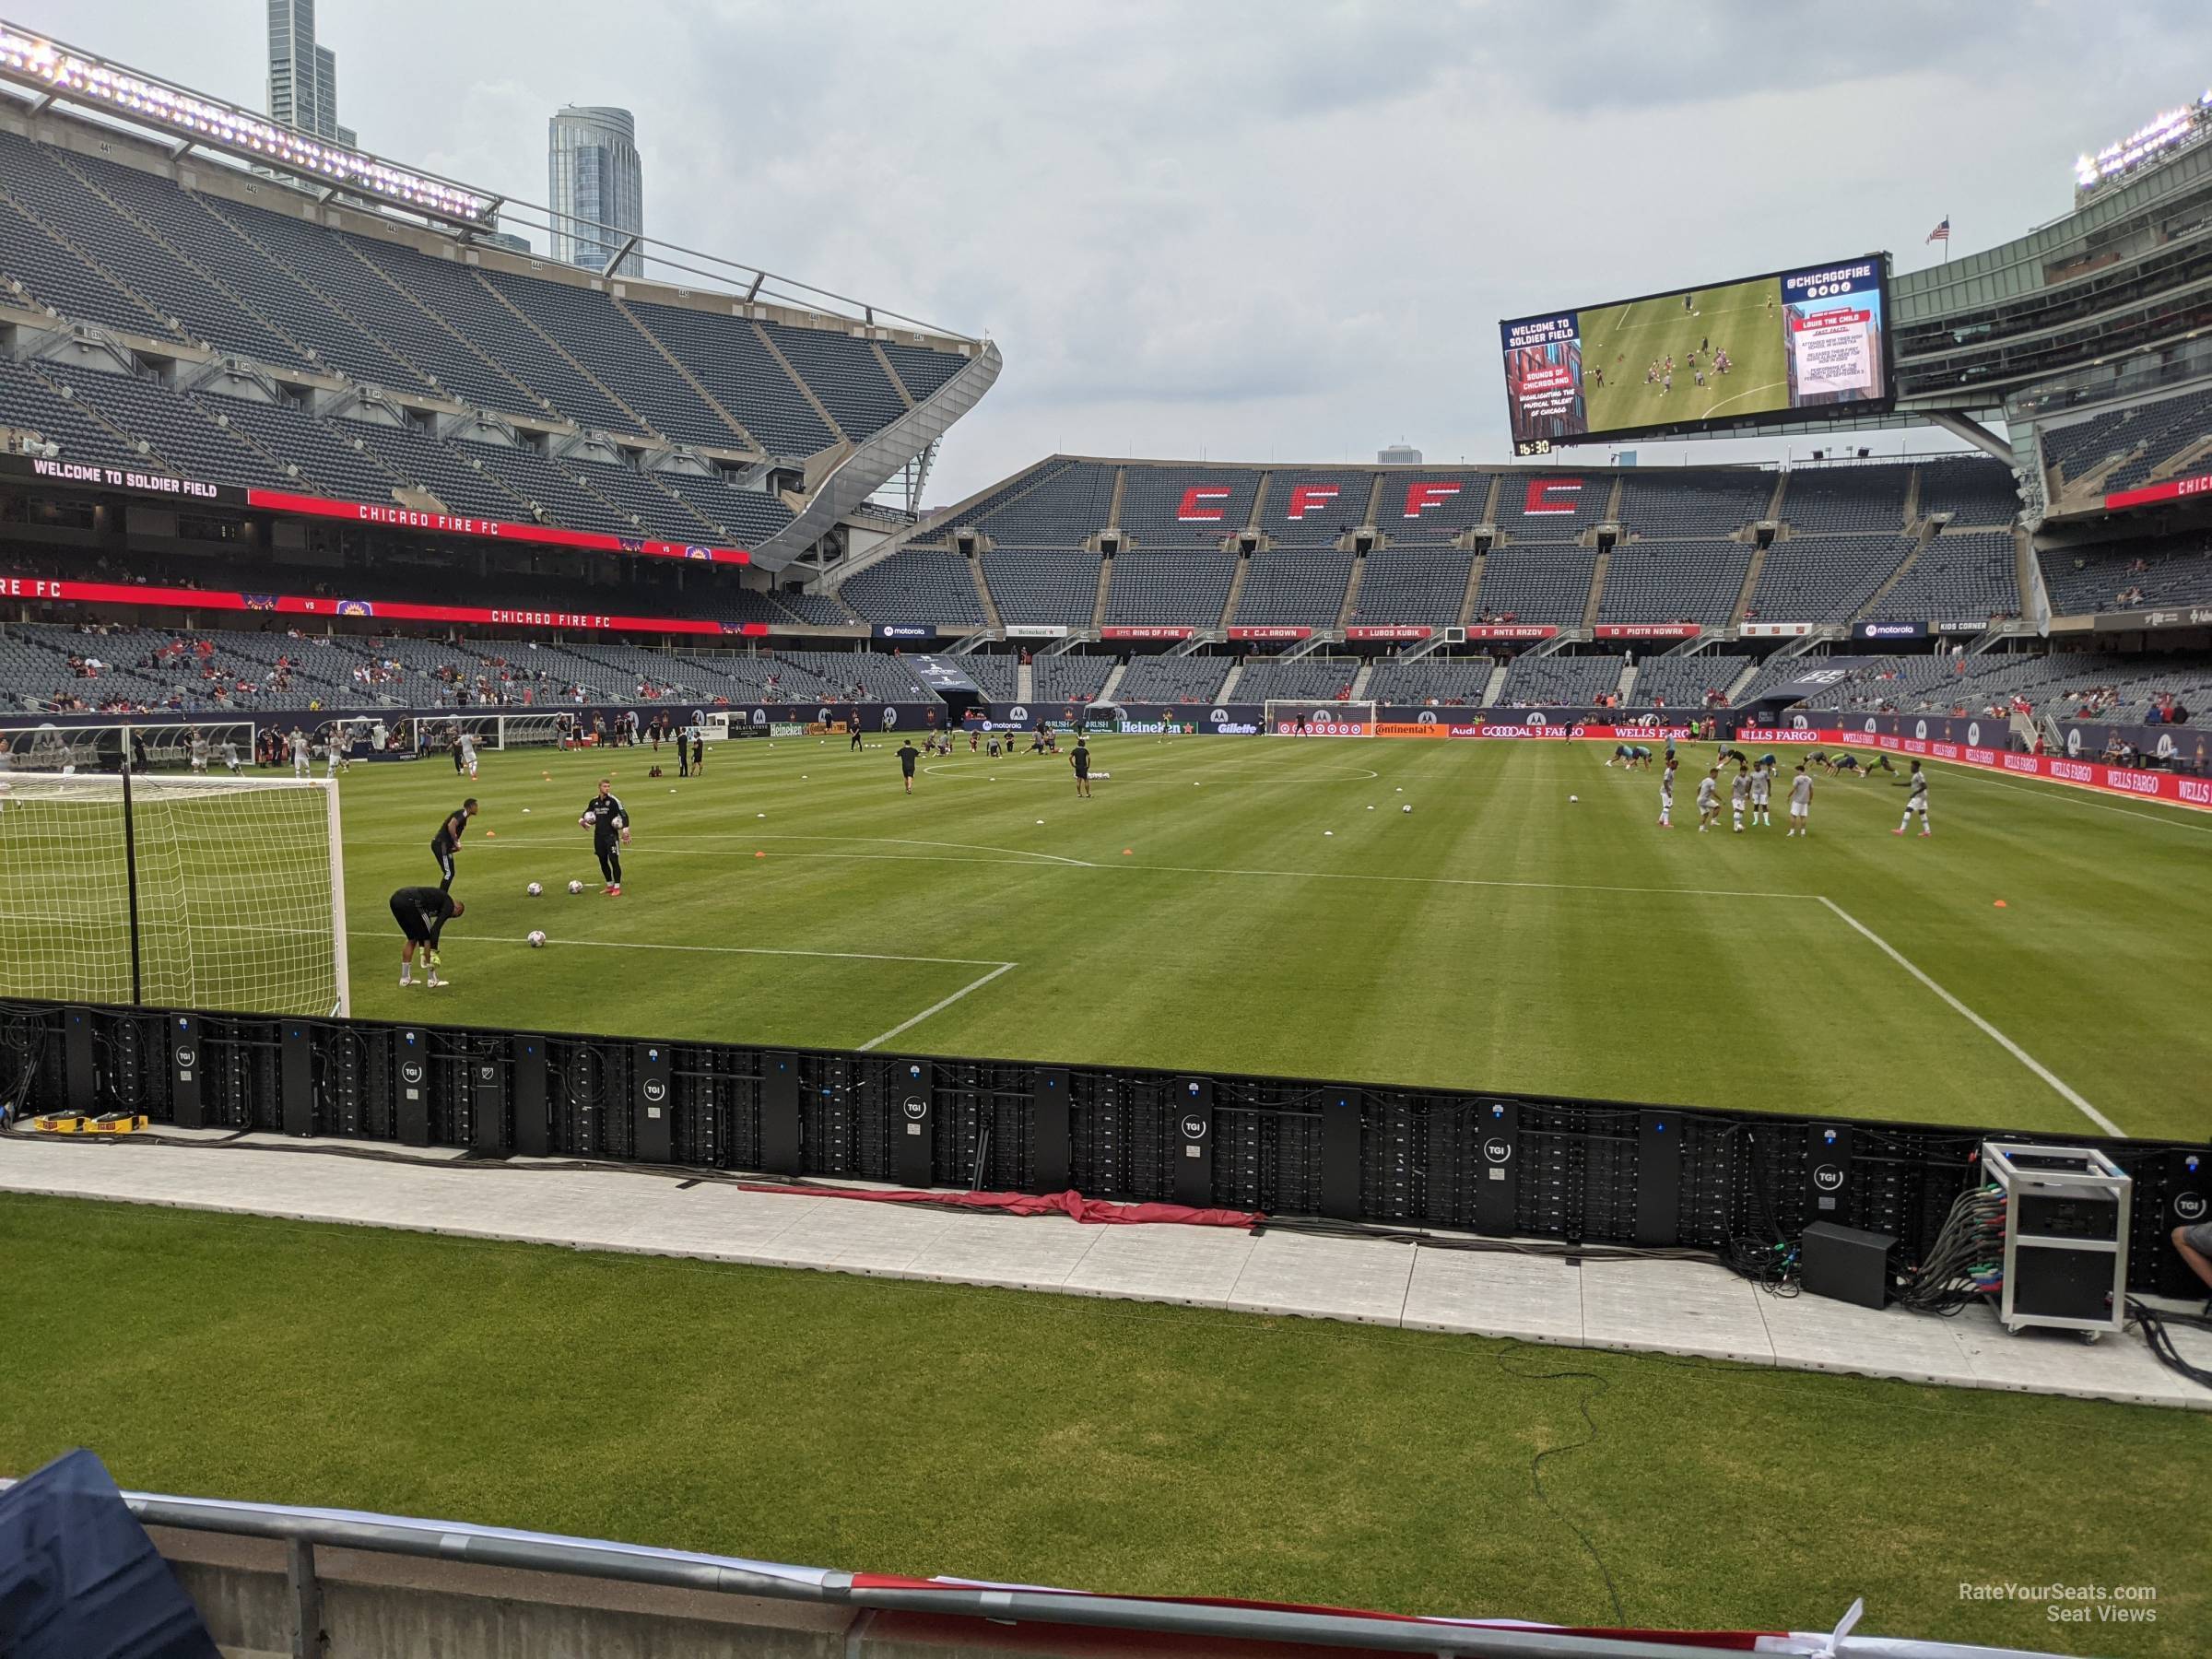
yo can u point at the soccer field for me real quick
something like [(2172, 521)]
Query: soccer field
[(1624, 339), (1264, 905)]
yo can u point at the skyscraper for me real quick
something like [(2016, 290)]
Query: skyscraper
[(596, 187), (303, 77)]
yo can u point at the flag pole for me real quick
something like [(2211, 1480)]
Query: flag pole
[(1946, 240)]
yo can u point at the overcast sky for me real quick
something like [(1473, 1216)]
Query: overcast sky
[(1250, 231)]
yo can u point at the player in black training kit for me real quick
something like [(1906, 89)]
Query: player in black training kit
[(605, 816), (908, 755), (852, 725), (1080, 760), (422, 913), (447, 842)]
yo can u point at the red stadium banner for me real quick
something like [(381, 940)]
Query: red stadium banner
[(1510, 631), (1269, 633), (1388, 633), (56, 591), (2165, 490), (447, 523), (1146, 634), (2170, 787), (1647, 631)]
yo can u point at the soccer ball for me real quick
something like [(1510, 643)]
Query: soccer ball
[(575, 887), (1405, 809), (1571, 800), (537, 939), (533, 889), (588, 819)]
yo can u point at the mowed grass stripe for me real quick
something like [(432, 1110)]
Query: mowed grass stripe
[(1685, 988)]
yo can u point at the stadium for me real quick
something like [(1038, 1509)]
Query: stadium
[(1613, 1064)]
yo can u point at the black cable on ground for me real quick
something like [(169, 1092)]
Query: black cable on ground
[(2156, 1332), (1536, 1460)]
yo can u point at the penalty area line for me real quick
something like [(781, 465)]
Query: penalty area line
[(2059, 1085), (938, 1007)]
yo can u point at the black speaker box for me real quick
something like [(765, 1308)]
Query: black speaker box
[(1846, 1263)]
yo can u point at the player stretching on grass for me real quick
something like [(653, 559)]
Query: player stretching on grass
[(1801, 802), (422, 913), (1916, 802), (605, 816), (1080, 760)]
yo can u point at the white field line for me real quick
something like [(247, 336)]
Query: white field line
[(2058, 1085), (938, 1008), (2071, 794), (847, 956)]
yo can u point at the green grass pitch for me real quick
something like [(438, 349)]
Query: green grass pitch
[(1264, 905), (1625, 339), (903, 1426)]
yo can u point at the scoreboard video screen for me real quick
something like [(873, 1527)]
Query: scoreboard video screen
[(1792, 346)]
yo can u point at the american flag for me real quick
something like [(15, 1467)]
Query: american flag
[(1942, 233)]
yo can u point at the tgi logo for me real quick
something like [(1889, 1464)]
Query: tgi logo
[(655, 1091), (2189, 1207), (186, 1057), (411, 1072), (1194, 1125), (1828, 1178), (1497, 1149), (916, 1109)]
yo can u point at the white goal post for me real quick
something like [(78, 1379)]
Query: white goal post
[(201, 891), (1318, 717), (536, 730)]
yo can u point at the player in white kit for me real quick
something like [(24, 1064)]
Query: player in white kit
[(468, 755), (1739, 791), (1760, 785), (300, 756), (1708, 800), (1916, 802), (1801, 802), (1666, 795)]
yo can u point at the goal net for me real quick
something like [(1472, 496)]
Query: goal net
[(1322, 717), (488, 731), (188, 892)]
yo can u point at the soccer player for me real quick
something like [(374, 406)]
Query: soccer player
[(1801, 802), (1846, 764), (422, 913), (1916, 800), (1621, 754), (1666, 795), (607, 820), (1739, 791), (447, 842), (1761, 784), (199, 745), (464, 752), (1080, 760), (1880, 763), (908, 755), (299, 746), (1708, 800), (853, 725), (230, 756), (699, 751), (337, 754), (683, 753)]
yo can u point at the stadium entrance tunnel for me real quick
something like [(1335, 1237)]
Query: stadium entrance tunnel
[(1528, 1166)]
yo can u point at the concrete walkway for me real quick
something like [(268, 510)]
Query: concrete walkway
[(1673, 1307)]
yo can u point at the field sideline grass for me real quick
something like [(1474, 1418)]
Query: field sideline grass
[(904, 1427), (1265, 920)]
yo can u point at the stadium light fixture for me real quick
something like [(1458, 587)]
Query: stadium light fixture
[(2165, 131), (51, 70)]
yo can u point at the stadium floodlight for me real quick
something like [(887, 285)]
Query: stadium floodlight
[(2169, 130), (48, 67)]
